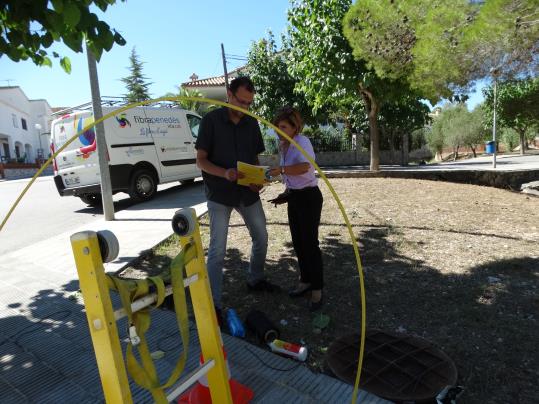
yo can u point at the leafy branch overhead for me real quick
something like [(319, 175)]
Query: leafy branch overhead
[(30, 27), (441, 48)]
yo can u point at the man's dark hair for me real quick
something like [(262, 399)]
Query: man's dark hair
[(241, 81)]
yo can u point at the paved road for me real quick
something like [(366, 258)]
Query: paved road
[(503, 162), (42, 213)]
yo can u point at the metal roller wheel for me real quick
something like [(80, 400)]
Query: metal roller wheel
[(183, 222), (108, 244)]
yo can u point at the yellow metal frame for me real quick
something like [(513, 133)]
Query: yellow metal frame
[(104, 332), (105, 338), (209, 334)]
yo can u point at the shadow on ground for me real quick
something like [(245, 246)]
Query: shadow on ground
[(484, 319), (46, 353)]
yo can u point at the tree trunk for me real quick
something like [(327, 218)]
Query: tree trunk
[(522, 135), (372, 108), (391, 143), (405, 148), (455, 153), (473, 151)]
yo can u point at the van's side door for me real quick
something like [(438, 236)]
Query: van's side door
[(173, 142)]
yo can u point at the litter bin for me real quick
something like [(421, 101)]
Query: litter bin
[(490, 147)]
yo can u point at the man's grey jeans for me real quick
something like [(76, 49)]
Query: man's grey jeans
[(255, 220)]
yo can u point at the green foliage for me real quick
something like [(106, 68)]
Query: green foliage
[(29, 27), (320, 57), (328, 139), (456, 127), (435, 137), (403, 116), (137, 87), (418, 138), (473, 128), (200, 108), (509, 137), (409, 41), (503, 36), (326, 71), (271, 143), (517, 106), (440, 47), (268, 68), (517, 103)]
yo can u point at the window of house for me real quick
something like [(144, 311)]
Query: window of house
[(23, 123), (14, 119)]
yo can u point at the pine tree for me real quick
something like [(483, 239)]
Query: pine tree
[(136, 84)]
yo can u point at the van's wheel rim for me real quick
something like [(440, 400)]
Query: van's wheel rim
[(144, 185)]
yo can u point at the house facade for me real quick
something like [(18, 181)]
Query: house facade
[(24, 126), (212, 87)]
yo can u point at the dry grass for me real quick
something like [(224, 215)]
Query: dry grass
[(455, 264)]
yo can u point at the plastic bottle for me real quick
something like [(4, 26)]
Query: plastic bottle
[(235, 326), (294, 351)]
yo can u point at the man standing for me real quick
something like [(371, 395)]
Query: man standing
[(225, 137)]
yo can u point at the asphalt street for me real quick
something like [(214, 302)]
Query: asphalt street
[(43, 213)]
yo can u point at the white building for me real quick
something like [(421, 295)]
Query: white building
[(212, 87), (24, 126)]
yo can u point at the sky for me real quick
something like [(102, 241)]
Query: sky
[(173, 38)]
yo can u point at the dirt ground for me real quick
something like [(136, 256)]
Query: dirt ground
[(455, 264)]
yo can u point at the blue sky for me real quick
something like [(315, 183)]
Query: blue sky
[(173, 38)]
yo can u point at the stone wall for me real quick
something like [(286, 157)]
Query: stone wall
[(13, 171), (512, 180), (352, 158)]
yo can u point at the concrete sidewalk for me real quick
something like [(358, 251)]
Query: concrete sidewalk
[(46, 354)]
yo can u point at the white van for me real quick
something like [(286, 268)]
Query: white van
[(146, 146)]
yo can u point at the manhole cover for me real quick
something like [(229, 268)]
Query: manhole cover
[(396, 367)]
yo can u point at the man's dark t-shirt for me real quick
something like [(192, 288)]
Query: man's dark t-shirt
[(227, 143)]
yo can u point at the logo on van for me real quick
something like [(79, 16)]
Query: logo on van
[(123, 121), (87, 138)]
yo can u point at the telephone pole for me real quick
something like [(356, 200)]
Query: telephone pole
[(101, 142), (224, 68)]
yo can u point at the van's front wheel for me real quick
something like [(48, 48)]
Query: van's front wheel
[(91, 199), (143, 186)]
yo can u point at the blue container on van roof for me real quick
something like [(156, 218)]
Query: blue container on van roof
[(490, 147)]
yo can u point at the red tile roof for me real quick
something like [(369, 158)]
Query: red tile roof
[(217, 81)]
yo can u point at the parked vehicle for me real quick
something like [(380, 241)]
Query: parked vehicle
[(146, 146)]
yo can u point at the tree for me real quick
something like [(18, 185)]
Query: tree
[(29, 27), (268, 68), (474, 132), (399, 118), (435, 138), (438, 47), (136, 84), (394, 38), (200, 108), (503, 36), (517, 106), (321, 61)]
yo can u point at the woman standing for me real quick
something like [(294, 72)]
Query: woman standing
[(304, 205)]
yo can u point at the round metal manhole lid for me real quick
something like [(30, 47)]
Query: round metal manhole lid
[(396, 367)]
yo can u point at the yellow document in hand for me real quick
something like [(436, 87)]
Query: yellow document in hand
[(252, 174)]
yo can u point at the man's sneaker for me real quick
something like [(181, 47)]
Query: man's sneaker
[(263, 286)]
